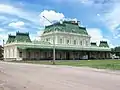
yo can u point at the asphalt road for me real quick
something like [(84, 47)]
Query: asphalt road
[(45, 77)]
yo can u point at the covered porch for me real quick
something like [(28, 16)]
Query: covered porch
[(47, 54)]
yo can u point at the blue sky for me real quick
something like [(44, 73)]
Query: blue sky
[(100, 17)]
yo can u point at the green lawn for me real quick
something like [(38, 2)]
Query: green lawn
[(100, 64)]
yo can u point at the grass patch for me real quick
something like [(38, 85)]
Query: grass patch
[(100, 64)]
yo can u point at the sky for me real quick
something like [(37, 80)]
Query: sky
[(100, 17)]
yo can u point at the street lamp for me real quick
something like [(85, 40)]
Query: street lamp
[(53, 41)]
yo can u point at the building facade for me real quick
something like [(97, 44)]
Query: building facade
[(72, 42)]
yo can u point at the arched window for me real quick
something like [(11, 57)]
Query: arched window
[(60, 40), (47, 39), (81, 43), (75, 42), (68, 41), (86, 43)]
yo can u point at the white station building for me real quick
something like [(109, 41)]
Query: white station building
[(72, 42)]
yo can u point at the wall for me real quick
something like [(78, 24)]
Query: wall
[(63, 37), (10, 52), (73, 40)]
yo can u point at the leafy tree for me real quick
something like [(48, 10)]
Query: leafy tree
[(116, 50)]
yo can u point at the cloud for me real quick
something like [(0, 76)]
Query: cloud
[(96, 36), (87, 2), (3, 18), (90, 2), (7, 8), (74, 1), (19, 12), (111, 18), (37, 35), (4, 36), (51, 16), (2, 30), (118, 36), (18, 24), (98, 15), (14, 18)]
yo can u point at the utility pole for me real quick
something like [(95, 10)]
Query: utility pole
[(3, 42), (53, 41)]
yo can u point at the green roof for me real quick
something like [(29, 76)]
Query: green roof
[(11, 39), (93, 44), (66, 26), (103, 44), (20, 37)]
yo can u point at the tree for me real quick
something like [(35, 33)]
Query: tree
[(1, 52), (116, 50)]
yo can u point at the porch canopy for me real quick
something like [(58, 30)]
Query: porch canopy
[(58, 47)]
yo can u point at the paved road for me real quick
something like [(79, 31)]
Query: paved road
[(44, 77)]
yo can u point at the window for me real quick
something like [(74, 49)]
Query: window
[(60, 40), (47, 39), (68, 41), (80, 42), (86, 43), (75, 42), (20, 54), (9, 53), (13, 52)]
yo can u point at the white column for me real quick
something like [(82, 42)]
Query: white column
[(16, 53)]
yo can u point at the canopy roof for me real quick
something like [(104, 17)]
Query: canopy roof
[(58, 47)]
